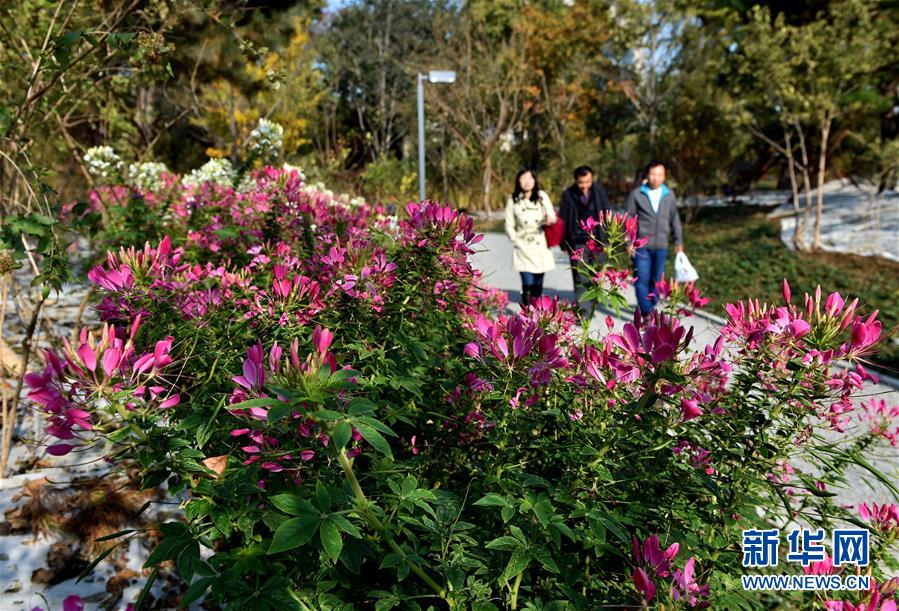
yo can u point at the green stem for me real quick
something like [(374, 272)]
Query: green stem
[(514, 603), (376, 523)]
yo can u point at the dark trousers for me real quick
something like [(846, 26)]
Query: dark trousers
[(531, 287), (649, 265), (529, 279)]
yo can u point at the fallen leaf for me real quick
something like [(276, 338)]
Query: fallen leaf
[(216, 463)]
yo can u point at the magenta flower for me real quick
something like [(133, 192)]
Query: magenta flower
[(72, 603), (115, 280), (689, 409), (821, 567), (885, 517), (685, 586), (651, 555), (253, 371), (644, 584)]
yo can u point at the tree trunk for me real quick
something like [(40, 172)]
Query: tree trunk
[(822, 166), (798, 242), (806, 182), (488, 177)]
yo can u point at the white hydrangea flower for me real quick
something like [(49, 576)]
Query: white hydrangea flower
[(147, 175), (217, 171), (102, 162), (266, 140)]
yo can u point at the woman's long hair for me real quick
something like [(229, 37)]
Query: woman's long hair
[(518, 191)]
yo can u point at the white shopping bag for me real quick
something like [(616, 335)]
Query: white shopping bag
[(683, 270)]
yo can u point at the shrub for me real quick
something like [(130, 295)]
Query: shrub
[(353, 421)]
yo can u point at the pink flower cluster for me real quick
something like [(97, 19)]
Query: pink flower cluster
[(700, 458), (878, 598), (653, 563), (69, 386), (264, 442), (672, 290), (884, 517)]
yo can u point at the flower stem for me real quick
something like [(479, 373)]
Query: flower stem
[(376, 523), (514, 602)]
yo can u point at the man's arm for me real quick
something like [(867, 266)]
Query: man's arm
[(676, 227), (631, 205), (565, 214)]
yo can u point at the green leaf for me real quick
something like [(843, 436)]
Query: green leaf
[(375, 424), (544, 511), (342, 433), (196, 590), (504, 543), (545, 558), (294, 533), (506, 513), (341, 378), (375, 439), (492, 499), (322, 497), (142, 597), (360, 406), (345, 525), (391, 560), (519, 561), (293, 504), (278, 412), (89, 568), (332, 541), (409, 485), (115, 535), (167, 549), (187, 559), (257, 402), (120, 435)]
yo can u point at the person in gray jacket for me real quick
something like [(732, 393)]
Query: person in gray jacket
[(655, 207)]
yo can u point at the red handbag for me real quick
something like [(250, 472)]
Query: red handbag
[(555, 232)]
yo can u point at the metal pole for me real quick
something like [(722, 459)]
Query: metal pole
[(421, 136)]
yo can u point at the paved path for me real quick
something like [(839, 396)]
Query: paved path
[(494, 259)]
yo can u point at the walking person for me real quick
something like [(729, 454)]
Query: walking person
[(655, 207), (584, 199), (528, 209)]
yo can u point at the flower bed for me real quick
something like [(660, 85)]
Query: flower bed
[(354, 421)]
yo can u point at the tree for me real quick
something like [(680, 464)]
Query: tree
[(490, 97), (282, 84), (370, 52), (566, 59), (815, 73)]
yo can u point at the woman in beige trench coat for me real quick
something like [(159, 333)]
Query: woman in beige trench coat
[(527, 211)]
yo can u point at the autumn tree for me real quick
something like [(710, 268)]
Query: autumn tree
[(490, 96), (813, 74)]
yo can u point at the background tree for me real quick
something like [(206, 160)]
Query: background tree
[(817, 73), (489, 98)]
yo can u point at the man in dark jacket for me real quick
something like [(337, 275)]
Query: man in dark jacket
[(655, 207), (582, 200)]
